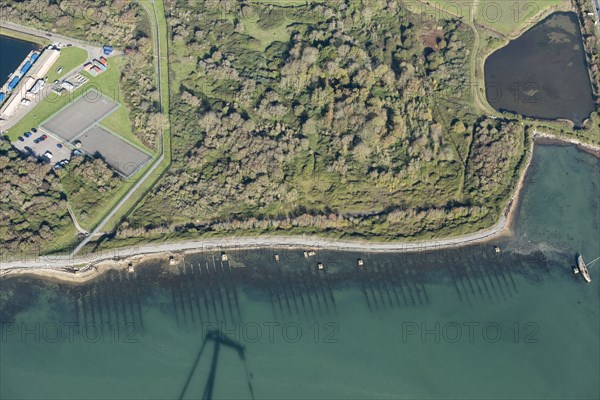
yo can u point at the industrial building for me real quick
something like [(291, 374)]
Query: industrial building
[(44, 62), (34, 67), (39, 85), (95, 71), (96, 67), (67, 86)]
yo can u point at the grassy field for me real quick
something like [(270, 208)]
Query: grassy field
[(510, 17), (286, 3), (118, 122), (70, 58), (279, 32), (505, 17)]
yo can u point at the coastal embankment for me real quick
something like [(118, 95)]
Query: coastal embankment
[(88, 266)]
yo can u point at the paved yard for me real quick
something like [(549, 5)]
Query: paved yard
[(84, 113), (50, 144), (77, 125), (120, 155)]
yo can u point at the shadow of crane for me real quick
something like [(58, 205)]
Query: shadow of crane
[(218, 338)]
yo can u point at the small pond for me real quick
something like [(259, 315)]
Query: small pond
[(543, 73)]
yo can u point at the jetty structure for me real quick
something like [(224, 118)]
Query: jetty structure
[(27, 80), (583, 269)]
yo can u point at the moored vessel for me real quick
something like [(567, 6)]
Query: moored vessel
[(583, 269)]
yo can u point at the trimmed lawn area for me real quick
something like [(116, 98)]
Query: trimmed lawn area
[(504, 17), (286, 3), (70, 57), (508, 17)]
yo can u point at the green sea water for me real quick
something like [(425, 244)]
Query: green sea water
[(465, 323)]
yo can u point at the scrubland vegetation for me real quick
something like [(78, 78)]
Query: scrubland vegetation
[(338, 118), (325, 118)]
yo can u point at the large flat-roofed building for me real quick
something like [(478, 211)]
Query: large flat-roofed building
[(45, 61), (17, 96), (11, 105)]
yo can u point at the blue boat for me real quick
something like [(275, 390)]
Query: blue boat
[(14, 82), (25, 68)]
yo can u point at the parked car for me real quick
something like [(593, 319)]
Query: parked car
[(59, 145), (49, 155), (36, 141), (44, 137), (33, 130), (21, 139), (64, 162), (27, 134), (57, 166), (77, 152)]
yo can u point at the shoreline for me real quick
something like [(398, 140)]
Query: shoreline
[(63, 269), (14, 34)]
